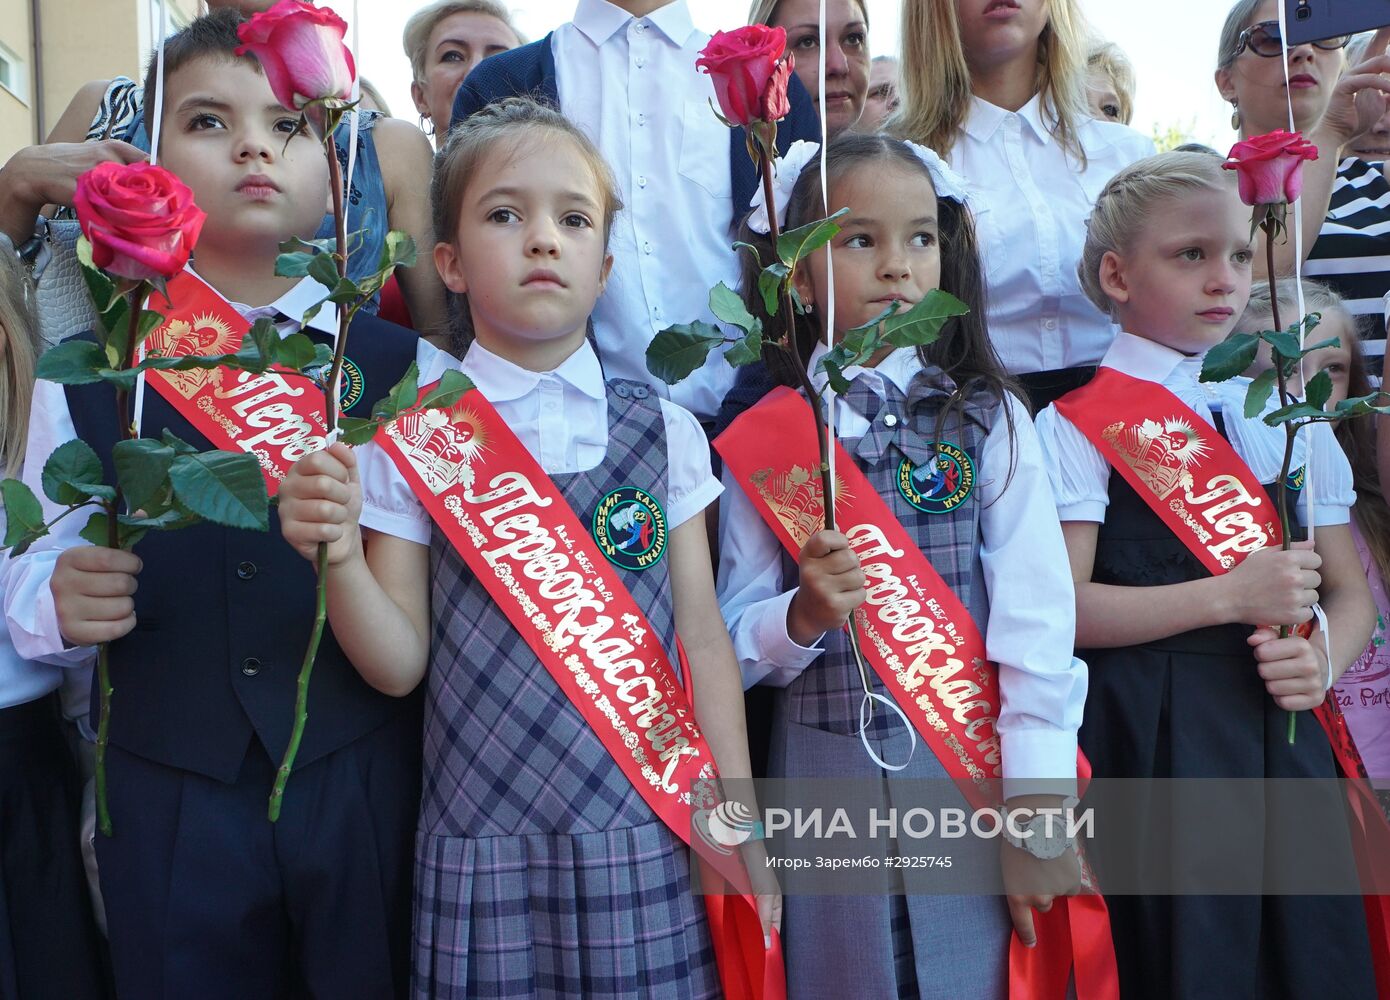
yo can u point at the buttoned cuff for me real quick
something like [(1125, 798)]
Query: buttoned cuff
[(1038, 762), (783, 660)]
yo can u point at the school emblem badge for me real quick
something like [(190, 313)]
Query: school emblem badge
[(630, 528), (351, 384), (940, 485)]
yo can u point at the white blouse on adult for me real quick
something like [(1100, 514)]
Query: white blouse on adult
[(1031, 201)]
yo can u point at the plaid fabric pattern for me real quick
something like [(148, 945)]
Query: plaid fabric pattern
[(540, 870), (827, 695)]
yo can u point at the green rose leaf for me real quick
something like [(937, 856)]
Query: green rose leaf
[(293, 265), (1230, 357), (73, 362), (1295, 411), (23, 516), (324, 269), (1285, 344), (402, 396), (839, 385), (745, 351), (797, 244), (923, 322), (357, 430), (1258, 394), (749, 248), (679, 350), (726, 305), (450, 388), (770, 281), (1318, 390), (73, 475), (142, 469), (398, 250), (222, 487), (296, 351)]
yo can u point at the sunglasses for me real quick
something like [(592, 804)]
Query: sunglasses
[(1264, 39)]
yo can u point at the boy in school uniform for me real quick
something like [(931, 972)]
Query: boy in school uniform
[(204, 897), (624, 72)]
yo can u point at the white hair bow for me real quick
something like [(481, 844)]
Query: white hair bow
[(788, 167)]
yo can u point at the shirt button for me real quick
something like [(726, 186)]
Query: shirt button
[(250, 666), (641, 25), (1049, 324), (642, 181), (646, 248), (889, 420), (641, 119), (246, 570), (641, 61), (656, 311)]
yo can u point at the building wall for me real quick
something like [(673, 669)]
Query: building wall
[(80, 40)]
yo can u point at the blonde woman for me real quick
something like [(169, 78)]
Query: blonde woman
[(999, 89), (1110, 83), (846, 56), (48, 941), (444, 41)]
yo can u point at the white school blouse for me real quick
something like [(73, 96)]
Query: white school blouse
[(1031, 201), (561, 417), (1032, 607), (1081, 475)]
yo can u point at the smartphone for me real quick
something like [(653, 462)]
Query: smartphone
[(1310, 20)]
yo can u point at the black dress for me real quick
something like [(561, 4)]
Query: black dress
[(1194, 706)]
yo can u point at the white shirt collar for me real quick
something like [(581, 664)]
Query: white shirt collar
[(898, 368), (601, 20), (1146, 359), (296, 302), (502, 380), (983, 119)]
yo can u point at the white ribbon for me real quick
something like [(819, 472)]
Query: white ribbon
[(785, 171), (866, 714), (156, 120)]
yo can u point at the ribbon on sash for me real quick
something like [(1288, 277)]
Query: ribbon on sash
[(929, 654), (276, 416), (1198, 485), (538, 562)]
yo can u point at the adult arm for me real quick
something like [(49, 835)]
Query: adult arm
[(47, 175), (407, 164)]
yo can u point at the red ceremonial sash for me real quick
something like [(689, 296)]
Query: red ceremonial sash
[(927, 651), (1192, 478), (539, 563), (276, 416)]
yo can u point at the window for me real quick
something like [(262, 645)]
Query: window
[(14, 76)]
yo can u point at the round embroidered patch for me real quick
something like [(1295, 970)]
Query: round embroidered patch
[(351, 384), (941, 485), (630, 528), (1297, 478)]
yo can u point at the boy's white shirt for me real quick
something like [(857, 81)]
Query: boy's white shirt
[(631, 85), (561, 417), (1081, 475), (28, 598), (1032, 606)]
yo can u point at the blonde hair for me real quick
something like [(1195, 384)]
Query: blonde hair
[(512, 119), (1317, 298), (1131, 198), (370, 92), (763, 11), (936, 78), (1238, 18), (1111, 60), (417, 30), (21, 331)]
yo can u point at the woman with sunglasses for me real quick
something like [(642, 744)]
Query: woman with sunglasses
[(1345, 201)]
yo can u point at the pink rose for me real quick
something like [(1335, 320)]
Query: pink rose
[(741, 63), (776, 105), (139, 219), (301, 49), (1270, 166)]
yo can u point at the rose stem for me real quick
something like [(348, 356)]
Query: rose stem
[(330, 403)]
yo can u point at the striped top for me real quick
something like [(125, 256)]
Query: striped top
[(1352, 253)]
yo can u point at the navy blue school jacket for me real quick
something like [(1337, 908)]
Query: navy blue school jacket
[(529, 71), (223, 615)]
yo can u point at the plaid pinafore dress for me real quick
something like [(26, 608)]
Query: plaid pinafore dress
[(905, 946), (540, 870)]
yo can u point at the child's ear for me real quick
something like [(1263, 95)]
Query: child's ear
[(604, 272), (450, 268), (1112, 277)]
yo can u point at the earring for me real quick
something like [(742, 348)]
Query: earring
[(1235, 117)]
